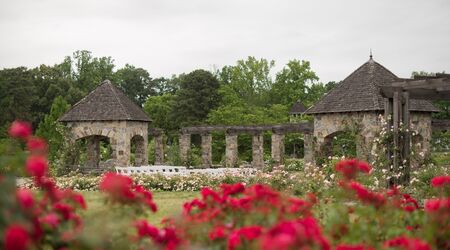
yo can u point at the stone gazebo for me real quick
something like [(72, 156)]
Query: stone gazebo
[(108, 114), (355, 105)]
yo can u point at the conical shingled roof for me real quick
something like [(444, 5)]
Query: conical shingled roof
[(360, 92), (105, 103)]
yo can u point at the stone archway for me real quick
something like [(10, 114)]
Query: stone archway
[(93, 150), (119, 134), (364, 125), (137, 150)]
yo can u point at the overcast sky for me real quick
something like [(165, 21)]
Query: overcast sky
[(170, 37)]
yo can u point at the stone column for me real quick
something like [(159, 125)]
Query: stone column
[(277, 148), (121, 148), (138, 141), (308, 145), (93, 151), (258, 151), (159, 149), (231, 150), (185, 146), (145, 150), (206, 150)]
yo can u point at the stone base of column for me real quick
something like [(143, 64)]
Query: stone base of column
[(185, 146), (258, 151), (159, 150), (308, 145), (231, 151), (207, 150), (277, 149)]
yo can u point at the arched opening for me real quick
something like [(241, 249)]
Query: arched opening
[(294, 145), (195, 151), (137, 151), (245, 149), (94, 151), (341, 144), (267, 146), (218, 148)]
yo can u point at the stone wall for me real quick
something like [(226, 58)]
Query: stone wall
[(119, 134), (421, 123), (366, 126)]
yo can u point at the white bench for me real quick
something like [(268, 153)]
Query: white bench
[(176, 170), (151, 170)]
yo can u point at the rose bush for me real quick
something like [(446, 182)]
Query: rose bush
[(228, 215)]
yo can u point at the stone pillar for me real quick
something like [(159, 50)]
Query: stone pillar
[(145, 151), (139, 154), (277, 148), (308, 145), (159, 149), (121, 148), (93, 151), (206, 150), (185, 146), (231, 150), (258, 151)]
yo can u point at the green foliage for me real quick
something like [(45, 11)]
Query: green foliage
[(293, 83), (198, 94), (247, 115), (136, 83), (294, 145), (173, 155), (17, 95), (11, 157), (344, 144), (294, 165), (159, 108), (50, 129), (151, 152), (248, 82)]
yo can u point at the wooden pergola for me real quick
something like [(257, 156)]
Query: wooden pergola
[(397, 111)]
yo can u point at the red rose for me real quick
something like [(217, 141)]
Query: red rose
[(36, 144), (118, 186), (16, 238), (25, 198), (51, 220), (36, 166), (440, 181), (20, 129)]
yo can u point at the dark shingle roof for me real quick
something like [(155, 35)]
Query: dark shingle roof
[(297, 108), (360, 92), (105, 103)]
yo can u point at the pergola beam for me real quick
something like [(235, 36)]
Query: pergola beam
[(429, 89)]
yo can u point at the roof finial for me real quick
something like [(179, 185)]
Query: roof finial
[(371, 57)]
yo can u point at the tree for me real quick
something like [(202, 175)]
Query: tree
[(159, 108), (48, 128), (17, 96), (198, 94), (248, 82), (293, 83), (247, 115), (89, 71), (136, 83)]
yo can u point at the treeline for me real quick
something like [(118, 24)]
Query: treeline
[(246, 93)]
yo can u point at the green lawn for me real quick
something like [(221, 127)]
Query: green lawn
[(169, 204)]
